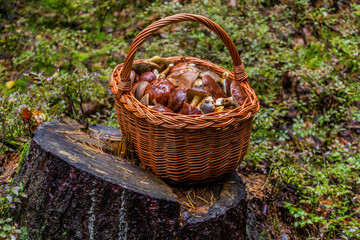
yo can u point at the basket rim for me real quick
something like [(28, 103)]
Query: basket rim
[(249, 108)]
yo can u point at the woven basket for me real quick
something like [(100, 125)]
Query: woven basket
[(185, 148)]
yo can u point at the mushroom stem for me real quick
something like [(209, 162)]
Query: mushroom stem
[(225, 75), (198, 83), (157, 74), (167, 70), (195, 100)]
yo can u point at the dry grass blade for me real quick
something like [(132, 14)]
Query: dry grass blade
[(203, 199), (88, 154), (190, 201), (72, 132), (92, 148)]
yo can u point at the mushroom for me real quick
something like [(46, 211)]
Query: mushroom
[(167, 70), (213, 75), (188, 109), (145, 100), (226, 82), (161, 108), (179, 67), (154, 66), (139, 89), (195, 95), (198, 83), (159, 61), (159, 91), (212, 87), (132, 76), (177, 99), (207, 105), (193, 67), (226, 102), (157, 74), (147, 76), (156, 62), (183, 79), (237, 92), (142, 67)]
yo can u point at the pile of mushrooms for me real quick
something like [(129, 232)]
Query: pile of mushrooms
[(183, 88)]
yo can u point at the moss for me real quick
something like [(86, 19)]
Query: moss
[(24, 154)]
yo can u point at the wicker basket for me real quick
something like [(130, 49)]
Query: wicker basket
[(185, 148)]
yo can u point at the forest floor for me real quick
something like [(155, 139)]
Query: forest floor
[(303, 60)]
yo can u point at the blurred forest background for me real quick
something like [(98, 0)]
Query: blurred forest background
[(303, 60)]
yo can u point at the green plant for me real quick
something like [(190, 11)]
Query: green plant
[(9, 196), (14, 129)]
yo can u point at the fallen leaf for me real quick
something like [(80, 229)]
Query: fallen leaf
[(10, 84)]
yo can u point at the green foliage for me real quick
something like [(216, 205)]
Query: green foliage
[(14, 130), (9, 196), (303, 61), (66, 93), (24, 154), (47, 98)]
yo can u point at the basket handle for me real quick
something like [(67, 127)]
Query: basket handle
[(125, 84)]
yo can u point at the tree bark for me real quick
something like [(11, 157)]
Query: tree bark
[(76, 191)]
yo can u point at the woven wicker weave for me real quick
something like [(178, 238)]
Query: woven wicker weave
[(185, 148)]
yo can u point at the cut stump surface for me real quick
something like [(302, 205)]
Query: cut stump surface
[(77, 190)]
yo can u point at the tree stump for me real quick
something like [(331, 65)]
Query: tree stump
[(78, 190)]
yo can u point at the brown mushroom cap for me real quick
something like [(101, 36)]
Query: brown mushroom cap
[(177, 99), (154, 66), (237, 92), (161, 108), (139, 89), (159, 91), (207, 105), (213, 75), (212, 87), (183, 79), (227, 84), (179, 67), (191, 92), (145, 100), (132, 76), (147, 76), (161, 62), (187, 109), (141, 67), (195, 95)]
